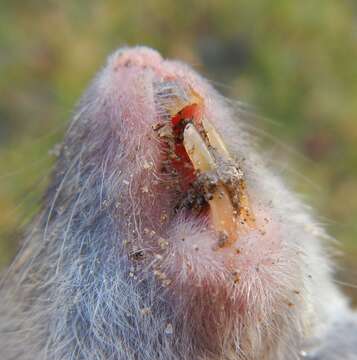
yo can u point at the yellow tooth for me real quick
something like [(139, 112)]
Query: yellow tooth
[(217, 143), (222, 215), (222, 211), (214, 139), (197, 150)]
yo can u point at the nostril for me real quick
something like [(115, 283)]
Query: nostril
[(139, 56)]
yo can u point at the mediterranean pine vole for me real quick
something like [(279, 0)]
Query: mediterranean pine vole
[(163, 235)]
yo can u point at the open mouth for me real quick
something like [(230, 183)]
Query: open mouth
[(209, 179)]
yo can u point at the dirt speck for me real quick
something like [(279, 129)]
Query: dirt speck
[(145, 311), (169, 330), (163, 243), (222, 238)]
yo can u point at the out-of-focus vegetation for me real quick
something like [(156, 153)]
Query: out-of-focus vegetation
[(294, 61)]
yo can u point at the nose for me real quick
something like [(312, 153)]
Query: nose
[(139, 56)]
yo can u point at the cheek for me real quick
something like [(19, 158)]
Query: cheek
[(259, 262)]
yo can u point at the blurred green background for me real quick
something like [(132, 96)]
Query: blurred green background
[(293, 61)]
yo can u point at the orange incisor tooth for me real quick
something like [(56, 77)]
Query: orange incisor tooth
[(217, 143), (214, 139), (222, 211)]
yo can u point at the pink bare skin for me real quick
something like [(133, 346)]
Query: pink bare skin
[(114, 269)]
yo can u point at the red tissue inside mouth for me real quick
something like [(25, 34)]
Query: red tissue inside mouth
[(182, 164)]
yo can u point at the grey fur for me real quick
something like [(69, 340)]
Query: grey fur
[(339, 343)]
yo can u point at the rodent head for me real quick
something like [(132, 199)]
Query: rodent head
[(164, 219)]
